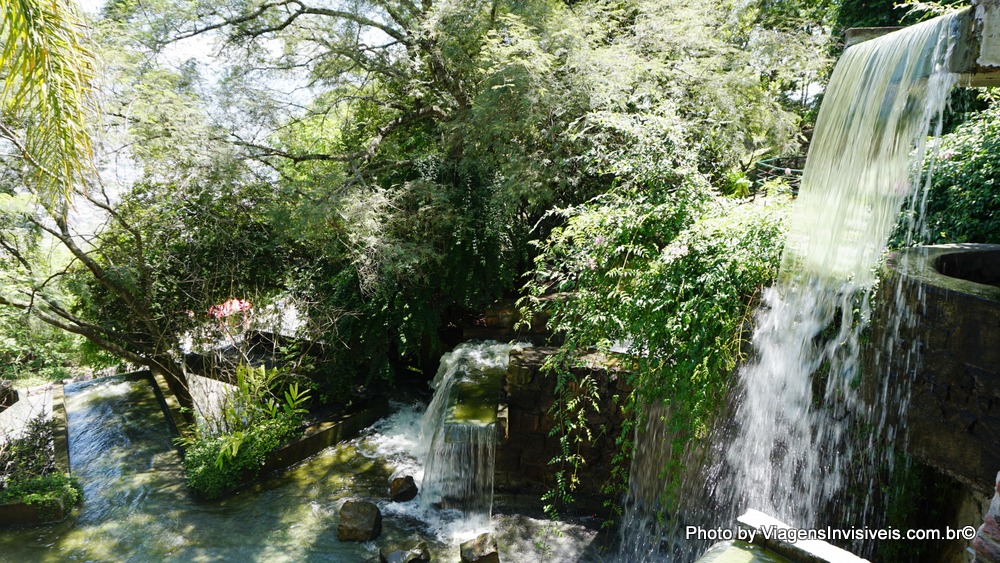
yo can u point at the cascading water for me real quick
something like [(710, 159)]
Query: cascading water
[(790, 445), (458, 431), (790, 452)]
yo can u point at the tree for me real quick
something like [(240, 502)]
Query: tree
[(189, 230), (438, 134)]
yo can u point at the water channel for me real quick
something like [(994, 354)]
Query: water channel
[(136, 506)]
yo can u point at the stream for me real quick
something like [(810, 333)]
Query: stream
[(136, 507)]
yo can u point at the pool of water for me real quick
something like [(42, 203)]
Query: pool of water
[(136, 507)]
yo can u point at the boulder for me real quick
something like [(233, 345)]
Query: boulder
[(8, 395), (359, 521), (402, 489), (480, 550), (986, 545), (417, 554)]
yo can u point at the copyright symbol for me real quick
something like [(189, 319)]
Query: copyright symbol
[(969, 532)]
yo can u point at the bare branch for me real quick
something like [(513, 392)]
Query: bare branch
[(300, 9)]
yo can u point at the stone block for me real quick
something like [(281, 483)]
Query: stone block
[(527, 422), (359, 521), (522, 400), (503, 422)]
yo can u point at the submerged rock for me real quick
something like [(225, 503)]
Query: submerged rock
[(359, 521), (480, 550), (418, 554), (402, 489)]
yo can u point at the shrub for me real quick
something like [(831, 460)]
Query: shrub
[(964, 196), (28, 472), (256, 419), (212, 470), (676, 277)]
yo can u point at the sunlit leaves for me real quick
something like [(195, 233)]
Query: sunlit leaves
[(47, 77), (673, 277)]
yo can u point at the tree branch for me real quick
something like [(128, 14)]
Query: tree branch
[(300, 10)]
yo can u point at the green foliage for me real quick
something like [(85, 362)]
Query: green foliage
[(676, 277), (28, 472), (47, 72), (408, 187), (30, 455), (868, 13), (963, 199), (32, 352), (263, 412), (212, 468), (46, 491), (890, 13)]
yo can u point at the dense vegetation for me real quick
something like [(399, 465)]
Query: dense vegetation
[(263, 412), (963, 198), (28, 471), (388, 168)]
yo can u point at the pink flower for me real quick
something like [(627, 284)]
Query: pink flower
[(229, 308)]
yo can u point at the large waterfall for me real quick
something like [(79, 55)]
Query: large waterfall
[(791, 452), (799, 420)]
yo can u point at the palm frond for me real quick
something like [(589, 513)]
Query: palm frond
[(46, 94)]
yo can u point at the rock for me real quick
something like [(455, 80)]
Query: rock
[(418, 554), (480, 550), (986, 545), (359, 521), (8, 395), (402, 489)]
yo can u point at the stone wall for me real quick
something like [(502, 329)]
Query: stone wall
[(525, 424), (500, 322), (953, 415)]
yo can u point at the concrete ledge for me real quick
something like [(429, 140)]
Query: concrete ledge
[(765, 528), (60, 433), (921, 264), (322, 435), (27, 515), (178, 423)]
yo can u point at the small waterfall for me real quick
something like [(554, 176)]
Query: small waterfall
[(799, 398), (458, 431)]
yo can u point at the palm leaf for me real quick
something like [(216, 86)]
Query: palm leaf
[(46, 95)]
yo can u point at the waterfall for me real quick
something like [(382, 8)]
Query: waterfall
[(799, 395), (798, 421), (458, 432)]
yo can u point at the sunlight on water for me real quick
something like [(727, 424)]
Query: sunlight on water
[(799, 394), (793, 439)]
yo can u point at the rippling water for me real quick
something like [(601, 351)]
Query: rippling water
[(136, 507)]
